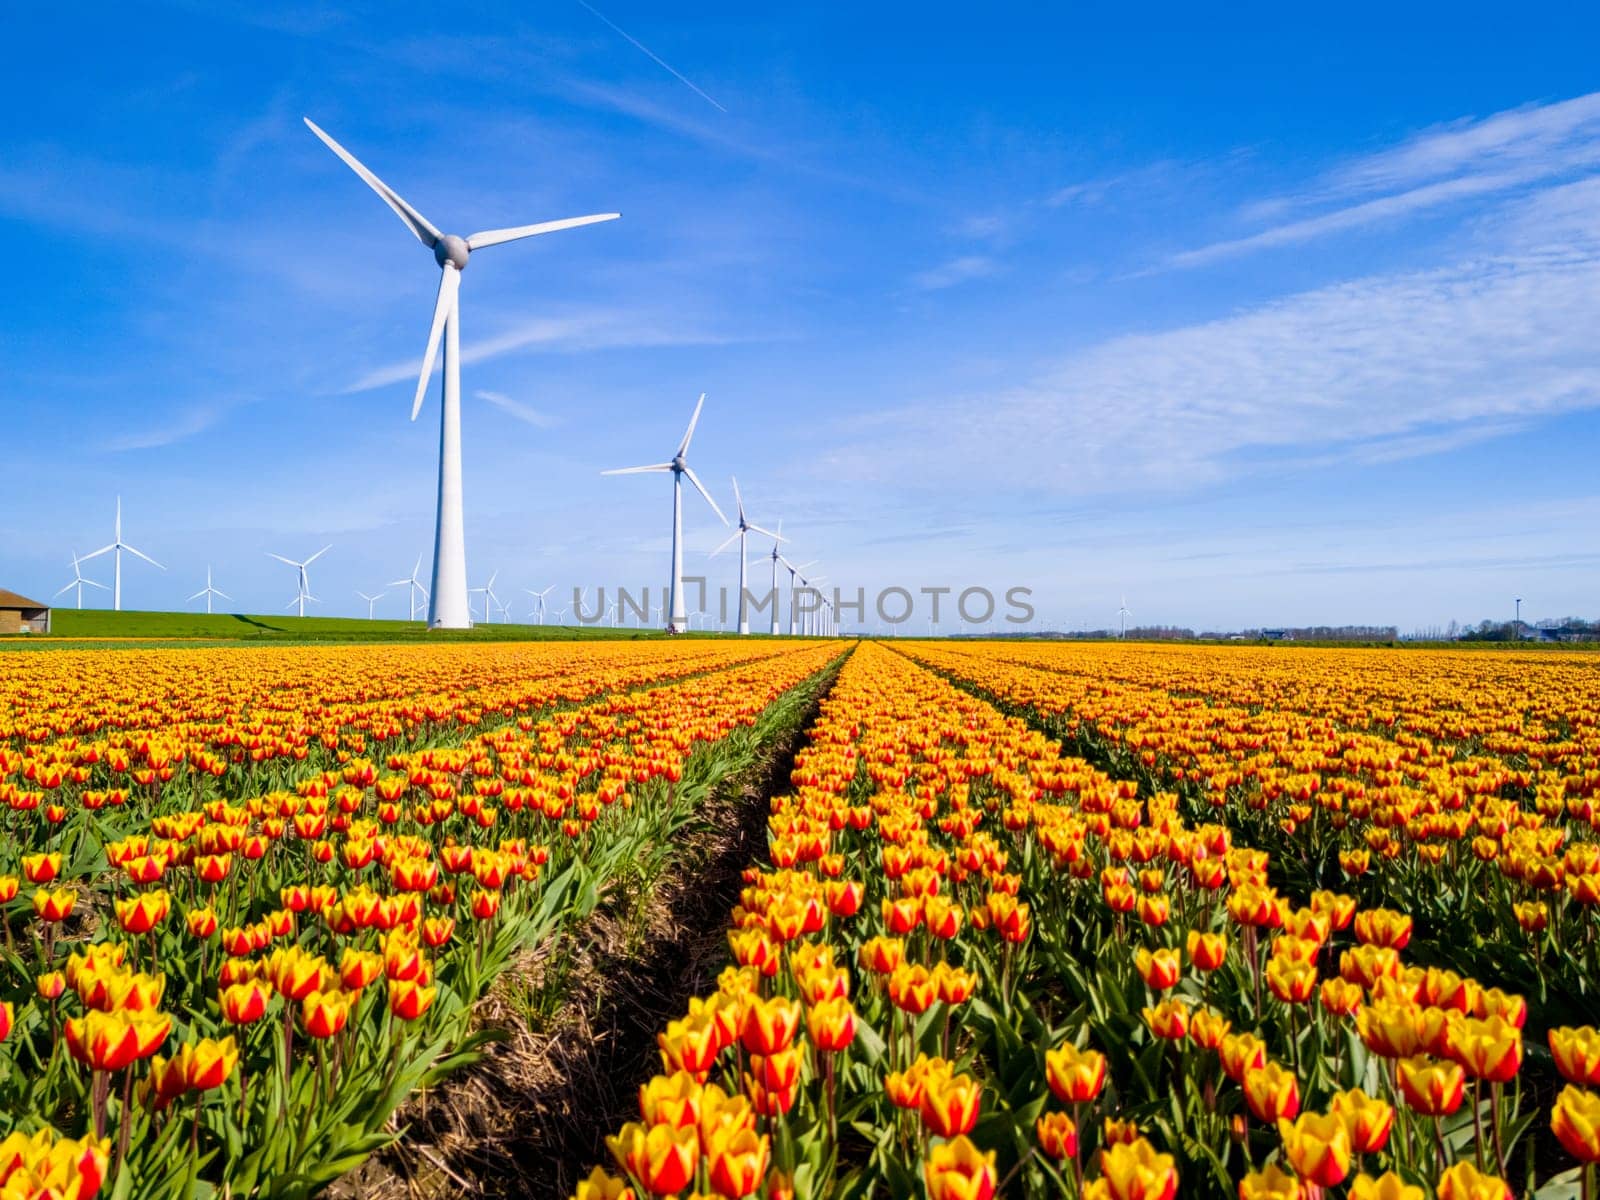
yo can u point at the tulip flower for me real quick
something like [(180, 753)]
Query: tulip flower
[(1388, 1186), (1272, 1092), (950, 1105), (690, 1044), (1270, 1183), (1340, 996), (1160, 969), (831, 1024), (1207, 1029), (1489, 1049), (602, 1185), (1242, 1053), (1075, 1076), (1577, 1053), (1292, 982), (244, 1003), (739, 1162), (1135, 1171), (208, 1063), (1207, 951), (1575, 1120), (958, 1170), (1465, 1182), (768, 1026), (1318, 1147), (662, 1158), (408, 1000), (54, 905), (325, 1013), (1368, 1120), (1168, 1020), (1057, 1134), (1429, 1087)]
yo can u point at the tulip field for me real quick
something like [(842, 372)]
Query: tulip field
[(1126, 922), (1033, 919)]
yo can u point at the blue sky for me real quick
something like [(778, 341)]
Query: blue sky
[(1253, 318)]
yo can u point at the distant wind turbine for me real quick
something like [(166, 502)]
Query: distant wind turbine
[(793, 571), (371, 600), (745, 527), (302, 587), (449, 606), (538, 610), (208, 591), (679, 467), (490, 600), (115, 549), (79, 582), (1124, 613), (414, 585)]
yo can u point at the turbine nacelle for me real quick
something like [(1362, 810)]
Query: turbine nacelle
[(453, 250)]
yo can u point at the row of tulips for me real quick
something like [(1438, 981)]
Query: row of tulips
[(975, 954), (237, 994), (1483, 814)]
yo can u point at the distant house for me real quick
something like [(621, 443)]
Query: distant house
[(18, 614)]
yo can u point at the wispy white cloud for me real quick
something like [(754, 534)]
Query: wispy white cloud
[(1437, 167), (569, 335), (1388, 366), (958, 270), (180, 428), (515, 408)]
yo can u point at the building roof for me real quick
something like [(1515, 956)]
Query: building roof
[(12, 600)]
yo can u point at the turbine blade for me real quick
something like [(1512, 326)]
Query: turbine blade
[(777, 537), (317, 555), (728, 541), (143, 555), (414, 221), (72, 585), (737, 498), (282, 559), (449, 283), (688, 434), (639, 470), (223, 594), (493, 237), (92, 583), (99, 552), (701, 488), (196, 596)]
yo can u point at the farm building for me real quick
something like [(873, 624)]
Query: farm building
[(18, 614)]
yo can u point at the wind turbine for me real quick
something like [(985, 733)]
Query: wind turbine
[(539, 597), (560, 612), (678, 622), (793, 571), (414, 585), (448, 605), (489, 598), (79, 582), (1124, 613), (115, 549), (302, 591), (208, 591), (371, 600), (745, 527)]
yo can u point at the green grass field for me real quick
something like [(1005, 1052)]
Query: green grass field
[(101, 628)]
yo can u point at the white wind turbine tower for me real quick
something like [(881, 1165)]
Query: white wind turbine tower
[(79, 582), (1124, 613), (448, 603), (539, 598), (302, 587), (208, 591), (371, 600), (115, 549), (745, 527), (793, 571), (490, 600), (414, 585), (776, 559), (678, 622)]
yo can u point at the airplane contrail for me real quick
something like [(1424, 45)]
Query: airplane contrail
[(654, 57)]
